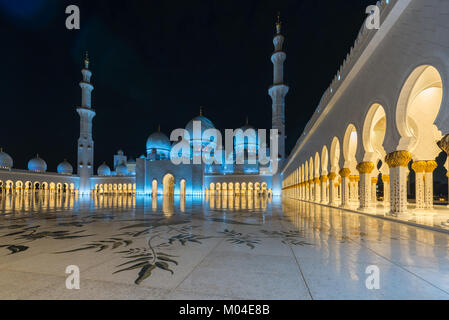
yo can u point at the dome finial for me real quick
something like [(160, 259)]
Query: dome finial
[(247, 120), (278, 24), (159, 128), (201, 111), (86, 59)]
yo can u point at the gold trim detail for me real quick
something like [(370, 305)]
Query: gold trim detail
[(345, 172), (431, 166), (332, 175), (398, 159), (365, 167)]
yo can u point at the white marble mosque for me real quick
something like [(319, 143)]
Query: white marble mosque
[(155, 173), (337, 207)]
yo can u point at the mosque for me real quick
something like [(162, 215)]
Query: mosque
[(156, 173)]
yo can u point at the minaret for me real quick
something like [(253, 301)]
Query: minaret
[(85, 141), (279, 90)]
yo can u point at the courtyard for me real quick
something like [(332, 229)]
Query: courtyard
[(216, 247)]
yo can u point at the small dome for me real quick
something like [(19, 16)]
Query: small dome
[(158, 141), (104, 170), (121, 170), (5, 160), (37, 165), (65, 168)]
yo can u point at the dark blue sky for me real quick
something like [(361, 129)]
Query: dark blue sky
[(156, 62)]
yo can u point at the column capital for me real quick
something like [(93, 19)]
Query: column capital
[(398, 159), (345, 172), (386, 178), (373, 180), (431, 166), (419, 166), (365, 167), (323, 178), (332, 175)]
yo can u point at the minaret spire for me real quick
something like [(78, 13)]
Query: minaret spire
[(85, 141), (278, 24), (86, 60), (279, 90)]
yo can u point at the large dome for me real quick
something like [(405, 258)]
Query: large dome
[(121, 170), (5, 160), (205, 125), (65, 168), (37, 165), (158, 141), (104, 170)]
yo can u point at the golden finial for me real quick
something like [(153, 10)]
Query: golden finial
[(201, 111), (86, 59), (159, 128), (278, 24), (247, 120)]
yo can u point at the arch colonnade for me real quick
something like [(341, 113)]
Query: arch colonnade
[(237, 188), (370, 162)]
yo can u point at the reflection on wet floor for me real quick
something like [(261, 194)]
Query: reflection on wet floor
[(218, 246)]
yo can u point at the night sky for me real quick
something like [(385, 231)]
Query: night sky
[(157, 62)]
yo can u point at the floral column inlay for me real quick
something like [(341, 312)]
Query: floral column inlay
[(428, 184), (419, 167), (344, 173), (398, 162), (365, 169)]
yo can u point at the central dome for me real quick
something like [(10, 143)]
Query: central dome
[(37, 165), (5, 160), (205, 125), (158, 141)]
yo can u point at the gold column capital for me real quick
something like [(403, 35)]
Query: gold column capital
[(323, 178), (419, 166), (345, 172), (316, 180), (374, 180), (398, 159), (386, 178), (431, 166), (332, 175), (365, 167)]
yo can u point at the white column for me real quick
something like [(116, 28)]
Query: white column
[(344, 173), (419, 168), (317, 190), (333, 190), (365, 169), (398, 162), (428, 184), (374, 191)]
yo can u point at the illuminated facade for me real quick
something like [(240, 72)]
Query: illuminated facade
[(381, 124), (156, 173)]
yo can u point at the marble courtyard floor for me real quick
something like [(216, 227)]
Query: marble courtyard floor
[(216, 248)]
